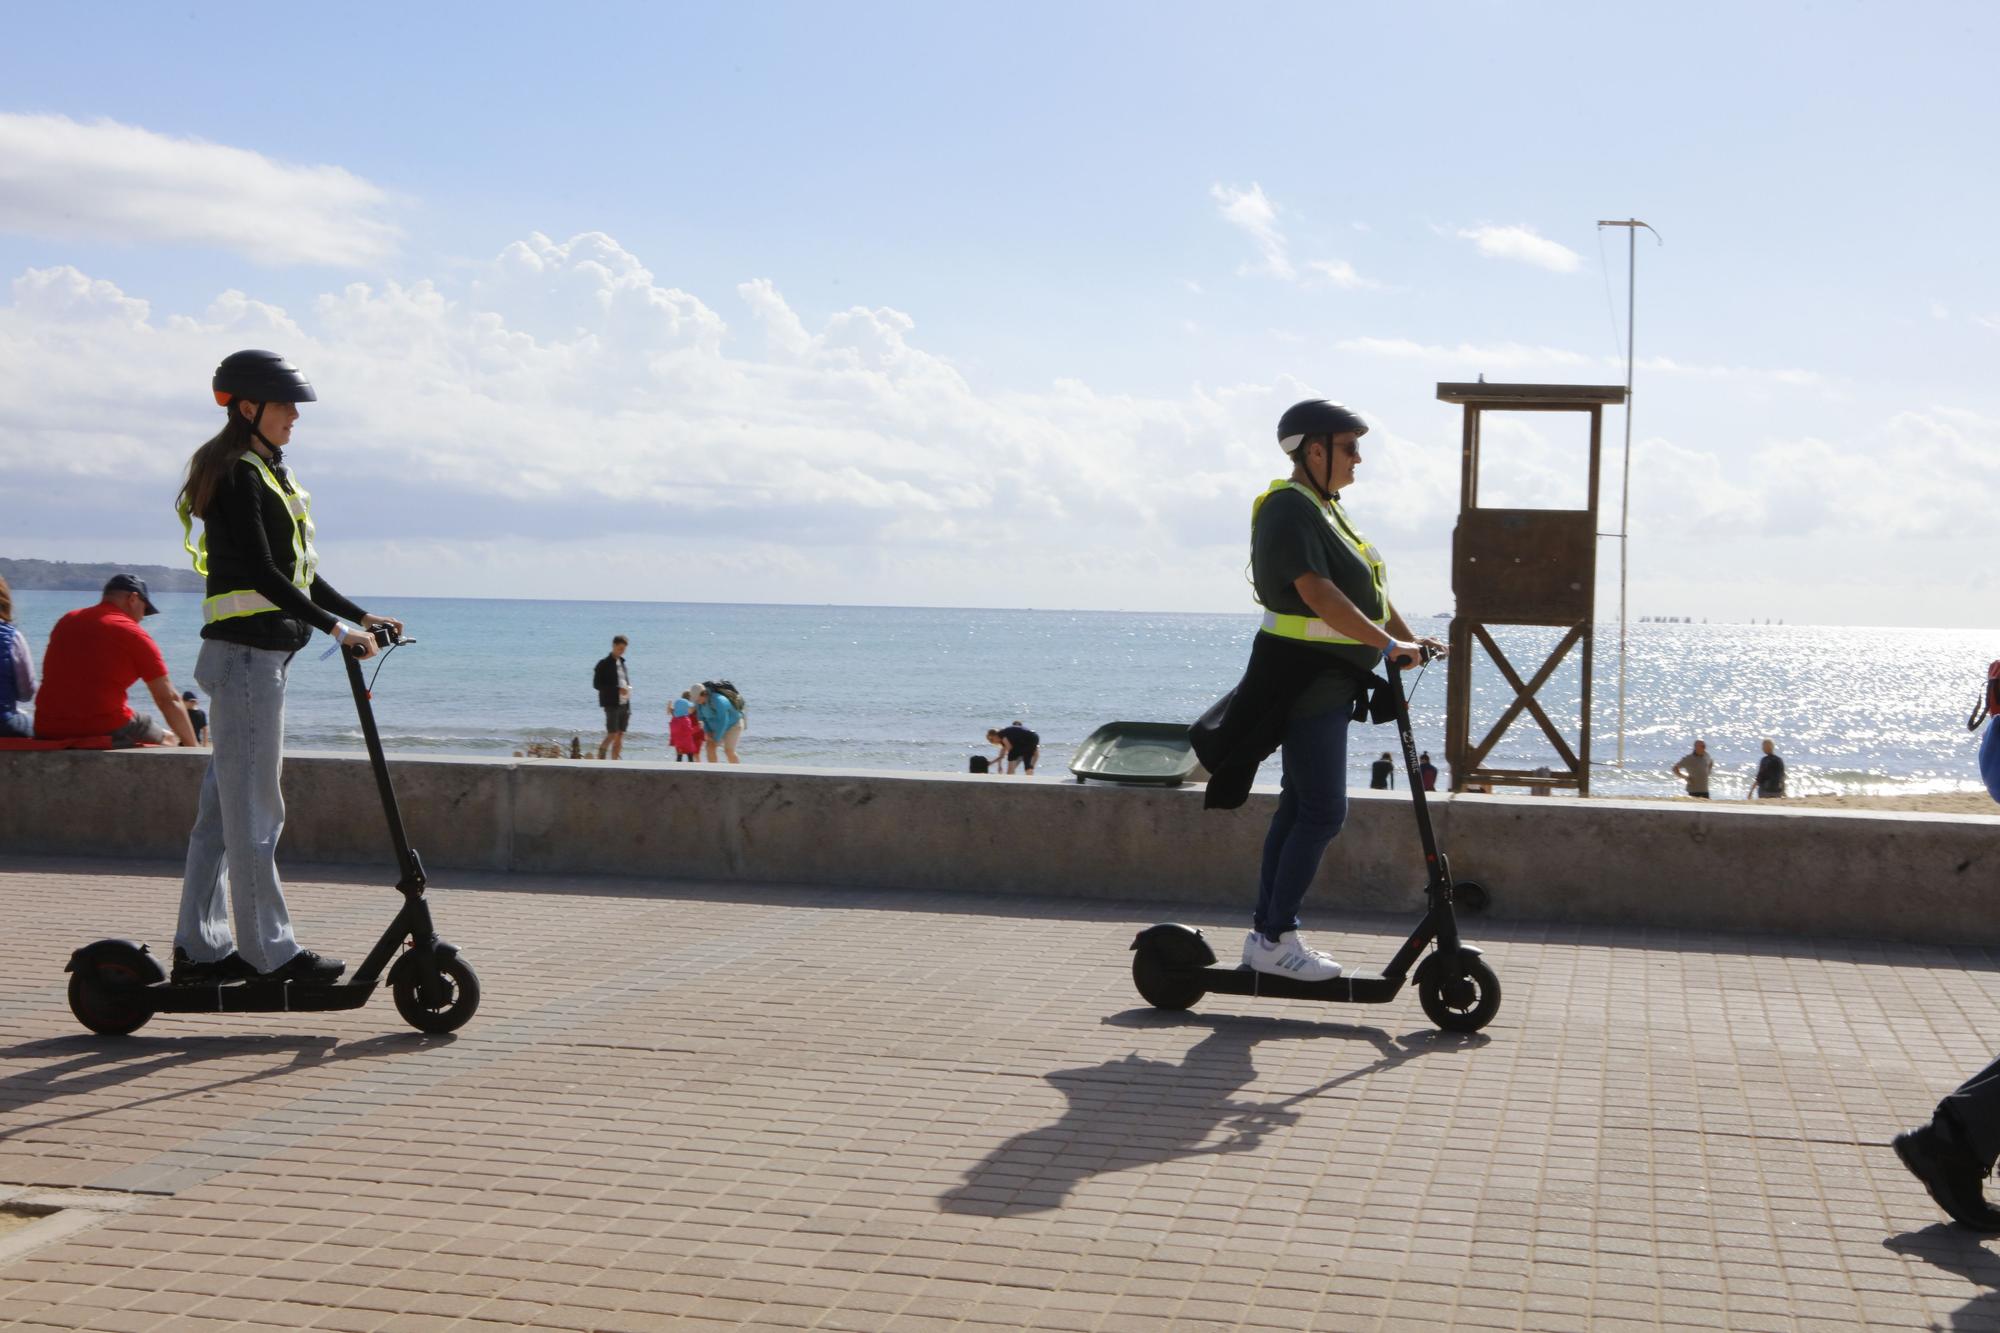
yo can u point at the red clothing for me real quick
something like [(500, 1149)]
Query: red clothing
[(93, 658), (685, 733)]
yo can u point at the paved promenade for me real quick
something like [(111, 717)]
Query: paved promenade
[(684, 1107)]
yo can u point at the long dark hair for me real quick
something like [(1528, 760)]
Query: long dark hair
[(211, 463), (6, 603)]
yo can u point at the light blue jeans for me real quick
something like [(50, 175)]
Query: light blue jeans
[(232, 855)]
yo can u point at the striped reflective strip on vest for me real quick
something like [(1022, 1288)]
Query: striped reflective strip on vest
[(305, 559), (1312, 628)]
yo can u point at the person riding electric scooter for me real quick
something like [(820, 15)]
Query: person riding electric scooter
[(265, 597), (1327, 622)]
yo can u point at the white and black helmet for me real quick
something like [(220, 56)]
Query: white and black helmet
[(1316, 417)]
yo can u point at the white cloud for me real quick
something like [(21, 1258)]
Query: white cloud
[(1520, 356), (60, 178), (1475, 358), (1254, 214), (565, 398), (1524, 245), (1340, 273), (1987, 322)]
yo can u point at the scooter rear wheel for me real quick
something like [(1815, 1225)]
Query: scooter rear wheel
[(105, 998), (1164, 986), (1463, 1003), (459, 1005)]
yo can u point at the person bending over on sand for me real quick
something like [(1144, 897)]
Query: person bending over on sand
[(265, 598), (1327, 621), (721, 719), (1019, 747)]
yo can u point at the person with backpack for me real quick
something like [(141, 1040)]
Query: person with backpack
[(720, 709)]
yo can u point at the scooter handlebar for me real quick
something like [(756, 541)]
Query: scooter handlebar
[(385, 636)]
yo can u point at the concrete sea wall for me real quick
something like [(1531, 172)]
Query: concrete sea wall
[(1921, 877)]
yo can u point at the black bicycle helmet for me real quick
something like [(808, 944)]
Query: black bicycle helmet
[(260, 377), (1314, 417)]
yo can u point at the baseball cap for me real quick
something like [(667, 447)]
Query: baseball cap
[(132, 583), (190, 696)]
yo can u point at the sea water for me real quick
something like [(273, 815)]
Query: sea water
[(1852, 710)]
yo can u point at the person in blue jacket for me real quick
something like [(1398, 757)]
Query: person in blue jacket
[(721, 719)]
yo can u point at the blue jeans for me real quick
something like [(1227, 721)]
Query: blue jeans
[(1311, 809), (232, 856)]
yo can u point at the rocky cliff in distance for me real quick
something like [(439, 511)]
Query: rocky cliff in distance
[(64, 576)]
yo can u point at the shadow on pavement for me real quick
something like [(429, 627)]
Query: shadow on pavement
[(1961, 1252), (1136, 1111), (105, 1062)]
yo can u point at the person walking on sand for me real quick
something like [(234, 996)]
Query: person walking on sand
[(1694, 768), (612, 680), (265, 597), (1427, 772), (1382, 773), (1327, 621), (721, 719), (1769, 784)]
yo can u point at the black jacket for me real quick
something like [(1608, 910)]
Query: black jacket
[(606, 682), (249, 537), (1245, 725)]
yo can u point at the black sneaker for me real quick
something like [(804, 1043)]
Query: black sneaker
[(187, 972), (308, 968), (1950, 1174)]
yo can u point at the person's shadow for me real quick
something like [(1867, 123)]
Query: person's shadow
[(1135, 1111), (100, 1062), (1956, 1250)]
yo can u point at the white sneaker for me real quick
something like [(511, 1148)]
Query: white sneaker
[(1289, 957)]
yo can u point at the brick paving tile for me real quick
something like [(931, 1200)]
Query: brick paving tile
[(1662, 1129)]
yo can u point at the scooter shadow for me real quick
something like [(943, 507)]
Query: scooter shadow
[(1960, 1252), (1135, 1112), (99, 1062)]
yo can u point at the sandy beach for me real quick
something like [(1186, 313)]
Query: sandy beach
[(1936, 803)]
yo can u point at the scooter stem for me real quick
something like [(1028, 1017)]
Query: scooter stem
[(412, 882)]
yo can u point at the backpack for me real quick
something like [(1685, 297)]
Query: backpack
[(727, 691)]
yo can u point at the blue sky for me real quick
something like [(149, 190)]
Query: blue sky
[(914, 304)]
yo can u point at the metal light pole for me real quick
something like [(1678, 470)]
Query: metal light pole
[(1624, 533)]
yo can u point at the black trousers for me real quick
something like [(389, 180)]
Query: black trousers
[(1971, 1114)]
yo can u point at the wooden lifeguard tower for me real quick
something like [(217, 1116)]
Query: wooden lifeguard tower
[(1521, 567)]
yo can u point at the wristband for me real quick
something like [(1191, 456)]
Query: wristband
[(340, 631)]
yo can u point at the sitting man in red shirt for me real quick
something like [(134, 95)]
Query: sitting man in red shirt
[(93, 657)]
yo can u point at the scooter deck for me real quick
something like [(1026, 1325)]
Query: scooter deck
[(256, 997), (1347, 988)]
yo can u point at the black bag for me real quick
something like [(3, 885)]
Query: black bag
[(727, 691), (980, 763)]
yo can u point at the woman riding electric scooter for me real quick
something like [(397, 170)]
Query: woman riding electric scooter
[(1327, 622), (264, 599)]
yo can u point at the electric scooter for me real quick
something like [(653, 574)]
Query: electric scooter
[(115, 986), (1173, 966)]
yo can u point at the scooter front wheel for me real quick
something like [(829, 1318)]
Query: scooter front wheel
[(456, 1007), (1463, 1003)]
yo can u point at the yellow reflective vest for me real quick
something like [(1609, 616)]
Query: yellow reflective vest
[(1312, 628), (305, 560)]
